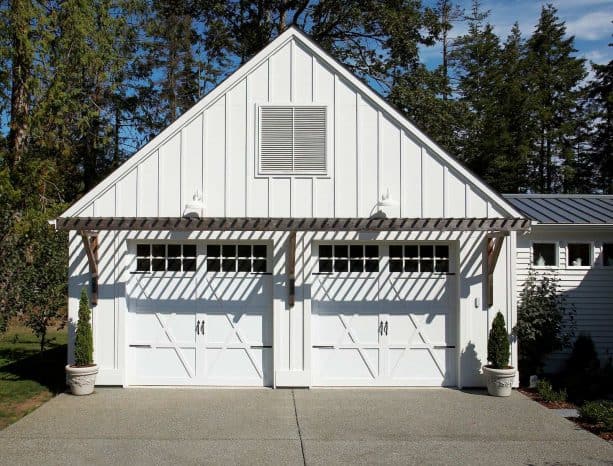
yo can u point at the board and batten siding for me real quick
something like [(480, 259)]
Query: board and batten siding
[(589, 289), (215, 153)]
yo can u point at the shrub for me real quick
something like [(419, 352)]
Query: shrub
[(498, 344), (545, 322), (582, 375), (598, 412), (548, 393), (84, 344)]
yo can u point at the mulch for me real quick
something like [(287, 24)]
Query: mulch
[(596, 429)]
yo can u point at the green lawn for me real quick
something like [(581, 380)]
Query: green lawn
[(28, 377)]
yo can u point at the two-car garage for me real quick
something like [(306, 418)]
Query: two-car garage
[(382, 314)]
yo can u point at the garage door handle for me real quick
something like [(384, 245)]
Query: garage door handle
[(198, 327), (385, 327), (202, 327), (381, 328)]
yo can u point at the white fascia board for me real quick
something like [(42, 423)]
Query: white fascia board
[(176, 125), (235, 77)]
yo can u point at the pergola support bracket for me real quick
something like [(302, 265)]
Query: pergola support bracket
[(90, 243)]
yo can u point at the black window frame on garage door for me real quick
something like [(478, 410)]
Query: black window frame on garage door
[(407, 257), (237, 257)]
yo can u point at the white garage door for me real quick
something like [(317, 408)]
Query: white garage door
[(200, 315), (384, 315)]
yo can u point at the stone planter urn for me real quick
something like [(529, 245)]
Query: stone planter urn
[(81, 379), (499, 381)]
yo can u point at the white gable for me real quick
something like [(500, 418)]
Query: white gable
[(213, 149)]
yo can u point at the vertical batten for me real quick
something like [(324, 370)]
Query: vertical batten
[(191, 160), (258, 92), (445, 191), (148, 186), (358, 156), (214, 182), (345, 150), (170, 183), (235, 150)]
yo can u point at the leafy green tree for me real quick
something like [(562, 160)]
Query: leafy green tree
[(84, 340), (545, 322)]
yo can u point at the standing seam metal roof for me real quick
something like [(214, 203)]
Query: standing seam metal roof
[(580, 209)]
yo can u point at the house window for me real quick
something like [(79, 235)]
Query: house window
[(419, 258), (579, 255), (355, 258), (607, 254), (293, 140), (544, 254), (236, 258), (166, 257)]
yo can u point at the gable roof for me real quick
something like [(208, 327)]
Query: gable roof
[(565, 209), (291, 33)]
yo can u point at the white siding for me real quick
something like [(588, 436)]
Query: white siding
[(215, 151), (589, 289)]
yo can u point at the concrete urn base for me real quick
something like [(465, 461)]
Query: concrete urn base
[(499, 381), (81, 380)]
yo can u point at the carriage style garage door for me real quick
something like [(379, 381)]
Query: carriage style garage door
[(384, 315), (200, 314)]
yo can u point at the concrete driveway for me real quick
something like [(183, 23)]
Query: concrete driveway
[(184, 426)]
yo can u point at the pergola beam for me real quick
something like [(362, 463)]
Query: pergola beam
[(292, 224)]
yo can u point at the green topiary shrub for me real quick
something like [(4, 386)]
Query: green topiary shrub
[(84, 342), (548, 393), (598, 412), (498, 351)]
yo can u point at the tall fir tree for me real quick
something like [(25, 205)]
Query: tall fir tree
[(554, 77)]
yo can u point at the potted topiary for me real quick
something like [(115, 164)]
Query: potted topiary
[(499, 375), (81, 375)]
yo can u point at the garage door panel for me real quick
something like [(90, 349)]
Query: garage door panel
[(162, 287), (239, 366), (346, 366), (420, 328), (235, 327), (254, 290), (337, 328), (432, 289), (155, 365), (422, 366), (352, 289)]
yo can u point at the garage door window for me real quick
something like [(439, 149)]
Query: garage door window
[(356, 258), (236, 258), (166, 257), (427, 258)]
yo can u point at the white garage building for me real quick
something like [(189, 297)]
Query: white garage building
[(292, 230)]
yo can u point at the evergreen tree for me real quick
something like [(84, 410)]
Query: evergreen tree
[(554, 76), (84, 341), (601, 137)]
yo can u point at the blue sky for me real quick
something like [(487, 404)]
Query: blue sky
[(588, 20)]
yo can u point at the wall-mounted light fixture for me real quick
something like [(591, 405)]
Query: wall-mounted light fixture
[(195, 207), (387, 200)]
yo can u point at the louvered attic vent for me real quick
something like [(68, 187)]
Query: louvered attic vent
[(292, 140)]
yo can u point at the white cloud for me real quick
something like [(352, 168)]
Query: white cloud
[(592, 26)]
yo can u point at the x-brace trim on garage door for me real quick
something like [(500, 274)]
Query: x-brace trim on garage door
[(234, 331), (172, 342), (348, 330), (417, 331)]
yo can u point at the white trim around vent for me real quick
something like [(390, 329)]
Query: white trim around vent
[(292, 140)]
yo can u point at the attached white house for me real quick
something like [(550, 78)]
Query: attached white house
[(572, 239), (293, 230)]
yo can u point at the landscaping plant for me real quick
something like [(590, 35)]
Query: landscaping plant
[(598, 412), (583, 376), (548, 393), (498, 344), (545, 322), (84, 344)]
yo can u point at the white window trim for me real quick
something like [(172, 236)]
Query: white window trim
[(329, 141), (580, 267), (545, 267)]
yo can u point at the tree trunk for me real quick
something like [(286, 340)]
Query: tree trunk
[(43, 339)]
